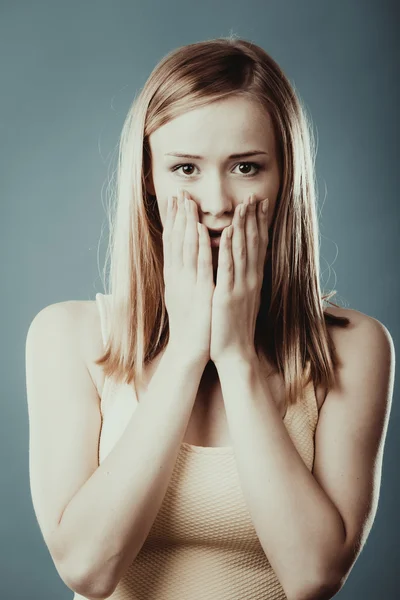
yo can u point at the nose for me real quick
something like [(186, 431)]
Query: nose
[(215, 203)]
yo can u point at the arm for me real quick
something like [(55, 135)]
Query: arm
[(96, 527), (312, 525)]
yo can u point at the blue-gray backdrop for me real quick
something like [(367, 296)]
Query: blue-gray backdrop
[(69, 71)]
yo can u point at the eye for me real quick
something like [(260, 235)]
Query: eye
[(255, 165), (181, 167)]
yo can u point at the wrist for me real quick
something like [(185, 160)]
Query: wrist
[(236, 361), (179, 357)]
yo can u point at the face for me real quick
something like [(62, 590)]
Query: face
[(216, 182)]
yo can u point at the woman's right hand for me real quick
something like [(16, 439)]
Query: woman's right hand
[(188, 277)]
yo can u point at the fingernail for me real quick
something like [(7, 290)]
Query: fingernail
[(264, 205)]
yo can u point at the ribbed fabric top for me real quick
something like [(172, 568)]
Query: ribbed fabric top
[(202, 545)]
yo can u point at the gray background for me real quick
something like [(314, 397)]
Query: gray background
[(69, 71)]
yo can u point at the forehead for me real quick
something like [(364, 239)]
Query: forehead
[(232, 123)]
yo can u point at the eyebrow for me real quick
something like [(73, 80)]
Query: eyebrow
[(195, 156)]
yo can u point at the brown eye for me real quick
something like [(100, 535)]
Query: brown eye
[(251, 165), (184, 166), (190, 167)]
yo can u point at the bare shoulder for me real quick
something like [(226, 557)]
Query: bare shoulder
[(362, 332), (342, 335), (84, 317), (360, 323)]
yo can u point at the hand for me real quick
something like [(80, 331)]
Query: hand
[(237, 296), (189, 282)]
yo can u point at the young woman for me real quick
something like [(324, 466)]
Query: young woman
[(209, 429)]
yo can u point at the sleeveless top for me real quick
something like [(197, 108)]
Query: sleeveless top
[(202, 544)]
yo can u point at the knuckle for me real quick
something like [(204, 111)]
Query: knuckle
[(252, 284)]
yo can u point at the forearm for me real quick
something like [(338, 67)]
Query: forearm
[(106, 523), (298, 526)]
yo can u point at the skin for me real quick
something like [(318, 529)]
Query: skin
[(216, 183)]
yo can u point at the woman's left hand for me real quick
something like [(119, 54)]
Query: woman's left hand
[(237, 294)]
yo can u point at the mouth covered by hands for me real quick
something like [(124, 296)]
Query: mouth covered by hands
[(214, 321)]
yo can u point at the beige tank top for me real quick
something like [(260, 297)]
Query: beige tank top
[(202, 545)]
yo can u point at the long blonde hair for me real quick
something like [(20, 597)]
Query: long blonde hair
[(291, 329)]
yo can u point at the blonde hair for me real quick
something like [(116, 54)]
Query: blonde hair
[(291, 327)]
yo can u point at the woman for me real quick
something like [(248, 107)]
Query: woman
[(219, 431)]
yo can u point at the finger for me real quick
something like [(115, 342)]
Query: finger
[(191, 243), (167, 232), (225, 272), (262, 219), (239, 246), (204, 261), (252, 243), (178, 233)]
